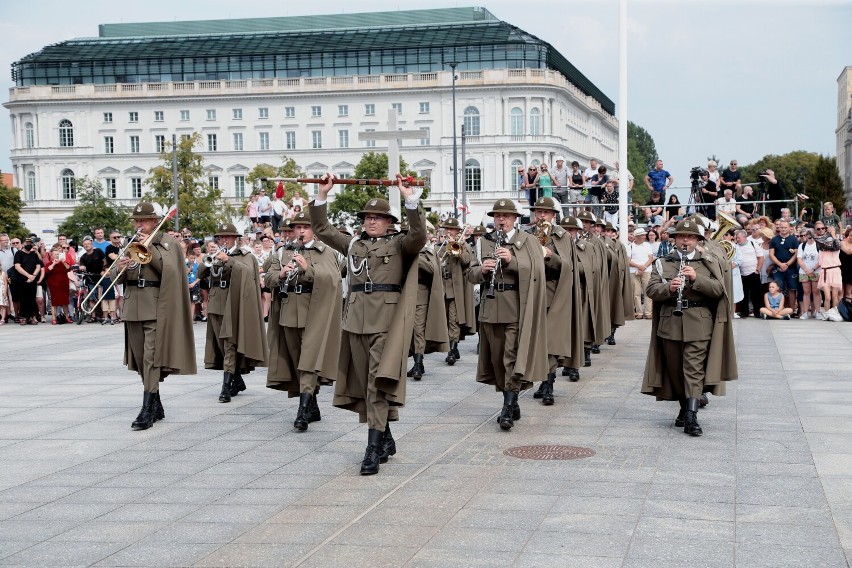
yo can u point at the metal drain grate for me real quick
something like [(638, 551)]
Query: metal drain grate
[(548, 452)]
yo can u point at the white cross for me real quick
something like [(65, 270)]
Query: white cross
[(393, 136)]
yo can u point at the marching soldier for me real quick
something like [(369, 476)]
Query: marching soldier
[(378, 314), (455, 257), (587, 274), (620, 285), (692, 349), (157, 325), (513, 341), (600, 293), (304, 334), (430, 317), (236, 336), (564, 324)]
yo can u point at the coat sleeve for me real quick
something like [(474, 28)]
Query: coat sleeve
[(657, 289), (325, 232)]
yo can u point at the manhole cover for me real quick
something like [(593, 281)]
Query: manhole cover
[(545, 452)]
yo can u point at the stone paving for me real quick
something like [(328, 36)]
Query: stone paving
[(769, 483)]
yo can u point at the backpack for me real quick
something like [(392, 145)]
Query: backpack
[(845, 309)]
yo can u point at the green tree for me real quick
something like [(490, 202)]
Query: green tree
[(93, 211), (824, 184), (10, 211), (352, 198), (641, 155), (287, 169), (200, 206)]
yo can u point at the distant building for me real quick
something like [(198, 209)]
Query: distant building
[(8, 180), (844, 132), (257, 89)]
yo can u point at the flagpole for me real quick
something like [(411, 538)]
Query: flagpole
[(623, 170)]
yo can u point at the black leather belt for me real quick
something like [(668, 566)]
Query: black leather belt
[(686, 304), (501, 287), (303, 288), (369, 288), (142, 283), (221, 284)]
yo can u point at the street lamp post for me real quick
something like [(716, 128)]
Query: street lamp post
[(453, 65)]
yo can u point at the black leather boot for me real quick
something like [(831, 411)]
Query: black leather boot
[(506, 420), (690, 425), (313, 409), (611, 339), (416, 373), (413, 368), (547, 397), (681, 416), (388, 445), (540, 392), (159, 411), (587, 361), (301, 422), (573, 374), (238, 385), (451, 358), (703, 401), (370, 465), (596, 348), (456, 353), (227, 381), (422, 368), (146, 416)]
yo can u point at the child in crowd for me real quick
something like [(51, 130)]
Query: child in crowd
[(194, 284), (4, 297), (773, 302), (107, 295)]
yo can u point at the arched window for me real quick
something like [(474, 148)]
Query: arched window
[(66, 133), (471, 121), (31, 186), (29, 136), (516, 122), (513, 174), (69, 184), (472, 176), (535, 122)]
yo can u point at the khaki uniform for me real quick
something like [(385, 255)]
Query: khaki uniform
[(430, 318), (458, 292), (564, 313)]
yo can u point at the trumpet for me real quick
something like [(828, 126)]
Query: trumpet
[(211, 260), (543, 231), (454, 246)]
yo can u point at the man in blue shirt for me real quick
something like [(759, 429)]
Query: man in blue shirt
[(783, 249), (659, 179)]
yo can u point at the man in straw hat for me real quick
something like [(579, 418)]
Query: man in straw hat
[(236, 336), (157, 323), (378, 316), (458, 292), (512, 313), (691, 351)]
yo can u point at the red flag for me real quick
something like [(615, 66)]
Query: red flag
[(279, 191)]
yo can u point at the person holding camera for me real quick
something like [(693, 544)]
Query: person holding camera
[(709, 193), (772, 190)]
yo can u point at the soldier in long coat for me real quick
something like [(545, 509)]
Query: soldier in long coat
[(564, 323), (304, 330), (620, 286), (236, 335), (587, 269), (688, 354), (603, 322), (158, 338), (458, 292), (378, 314), (512, 314), (430, 333)]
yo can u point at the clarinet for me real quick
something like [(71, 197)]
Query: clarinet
[(678, 309), (499, 235), (283, 289)]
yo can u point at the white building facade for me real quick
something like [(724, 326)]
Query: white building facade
[(844, 133)]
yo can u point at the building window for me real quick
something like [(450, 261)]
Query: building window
[(370, 143), (370, 109), (31, 186), (160, 143), (289, 112), (471, 121), (211, 114), (535, 122), (426, 132), (111, 191), (424, 108), (264, 141), (136, 188), (69, 184), (213, 182), (134, 144), (342, 110), (184, 115), (316, 138), (133, 116), (159, 116), (212, 142), (343, 138), (263, 112), (472, 176), (185, 137), (240, 186), (66, 134), (516, 122), (29, 135), (316, 111), (397, 107), (238, 141), (238, 114), (109, 145), (108, 117), (290, 135), (513, 174)]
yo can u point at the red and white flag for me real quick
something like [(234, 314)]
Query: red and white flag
[(464, 206), (172, 211)]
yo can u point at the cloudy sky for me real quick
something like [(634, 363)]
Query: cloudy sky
[(738, 79)]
